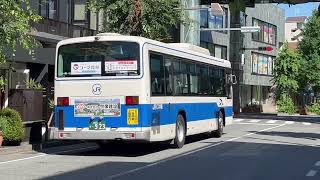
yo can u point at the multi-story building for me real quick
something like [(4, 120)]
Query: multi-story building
[(217, 42), (256, 69), (256, 92), (293, 30), (61, 19)]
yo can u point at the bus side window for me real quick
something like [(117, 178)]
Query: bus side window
[(168, 75), (157, 74)]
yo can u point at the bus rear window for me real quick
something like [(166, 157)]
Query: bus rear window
[(111, 58)]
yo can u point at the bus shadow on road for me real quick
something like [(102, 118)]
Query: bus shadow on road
[(132, 149)]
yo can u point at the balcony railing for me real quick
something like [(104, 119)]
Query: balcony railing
[(62, 28)]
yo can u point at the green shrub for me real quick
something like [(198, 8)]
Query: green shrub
[(314, 108), (285, 104), (11, 125)]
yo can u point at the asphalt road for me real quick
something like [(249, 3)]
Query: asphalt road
[(255, 149)]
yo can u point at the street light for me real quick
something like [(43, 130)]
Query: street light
[(244, 29)]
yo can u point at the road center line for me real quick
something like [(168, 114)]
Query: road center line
[(43, 154), (187, 153), (311, 173)]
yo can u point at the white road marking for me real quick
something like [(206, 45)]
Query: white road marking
[(22, 159), (190, 152), (311, 173), (317, 163), (238, 120), (43, 154), (289, 122), (259, 124), (254, 121), (306, 123), (272, 121)]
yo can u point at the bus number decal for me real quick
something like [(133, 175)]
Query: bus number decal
[(157, 107)]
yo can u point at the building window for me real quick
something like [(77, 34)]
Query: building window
[(80, 13), (267, 34), (215, 50), (204, 18), (52, 9), (208, 20), (48, 9), (262, 64), (243, 18)]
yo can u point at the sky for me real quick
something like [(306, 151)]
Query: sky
[(299, 9)]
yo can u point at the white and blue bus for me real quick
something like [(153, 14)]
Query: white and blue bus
[(115, 87)]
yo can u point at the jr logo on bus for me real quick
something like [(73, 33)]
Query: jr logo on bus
[(96, 89)]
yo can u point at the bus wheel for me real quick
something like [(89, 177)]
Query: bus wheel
[(180, 138), (218, 133)]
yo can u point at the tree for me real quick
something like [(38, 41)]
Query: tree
[(14, 27), (153, 19), (309, 48), (286, 71)]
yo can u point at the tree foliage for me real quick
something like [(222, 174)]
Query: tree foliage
[(309, 48), (14, 27), (153, 19), (286, 71)]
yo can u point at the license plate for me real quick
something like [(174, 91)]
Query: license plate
[(132, 117), (97, 125)]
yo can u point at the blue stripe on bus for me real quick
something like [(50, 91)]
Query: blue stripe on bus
[(147, 116)]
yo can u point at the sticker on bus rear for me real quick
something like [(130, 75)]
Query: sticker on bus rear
[(132, 116), (119, 66), (88, 107), (81, 68)]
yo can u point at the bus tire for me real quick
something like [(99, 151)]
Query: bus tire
[(218, 133), (180, 137)]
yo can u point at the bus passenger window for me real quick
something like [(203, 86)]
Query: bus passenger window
[(168, 76), (157, 74), (193, 79)]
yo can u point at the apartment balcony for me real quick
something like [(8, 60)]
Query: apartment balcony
[(60, 30)]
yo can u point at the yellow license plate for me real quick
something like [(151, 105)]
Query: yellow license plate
[(132, 116)]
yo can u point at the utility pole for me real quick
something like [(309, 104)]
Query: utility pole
[(235, 56)]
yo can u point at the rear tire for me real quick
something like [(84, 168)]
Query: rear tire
[(218, 133), (180, 138)]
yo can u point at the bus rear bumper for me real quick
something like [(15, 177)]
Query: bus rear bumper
[(56, 134)]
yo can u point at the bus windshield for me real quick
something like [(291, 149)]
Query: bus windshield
[(108, 58)]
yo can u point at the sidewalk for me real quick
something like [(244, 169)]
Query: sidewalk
[(26, 147), (295, 117)]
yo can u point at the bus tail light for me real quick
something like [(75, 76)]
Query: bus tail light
[(63, 101), (132, 100)]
